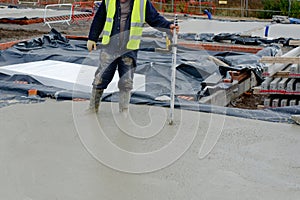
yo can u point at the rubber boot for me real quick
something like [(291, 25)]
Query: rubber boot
[(95, 100), (296, 119), (124, 99)]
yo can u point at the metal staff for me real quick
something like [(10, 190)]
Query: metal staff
[(173, 75)]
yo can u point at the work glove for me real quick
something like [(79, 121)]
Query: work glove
[(172, 27), (91, 45)]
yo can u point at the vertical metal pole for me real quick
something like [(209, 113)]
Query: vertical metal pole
[(160, 6), (173, 75), (200, 7), (246, 7), (290, 5), (242, 11)]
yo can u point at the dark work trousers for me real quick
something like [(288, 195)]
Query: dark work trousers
[(107, 68)]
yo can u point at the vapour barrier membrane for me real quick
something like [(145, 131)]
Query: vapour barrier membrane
[(193, 67)]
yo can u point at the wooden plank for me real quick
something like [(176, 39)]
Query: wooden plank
[(269, 71), (294, 42), (217, 61), (284, 60), (283, 74), (259, 107)]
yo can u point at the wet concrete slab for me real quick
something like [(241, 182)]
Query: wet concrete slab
[(219, 26), (252, 28), (54, 150), (280, 30)]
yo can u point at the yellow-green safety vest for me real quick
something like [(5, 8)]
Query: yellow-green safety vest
[(136, 24)]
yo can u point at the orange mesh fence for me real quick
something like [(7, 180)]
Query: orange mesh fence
[(83, 11), (9, 1), (184, 7)]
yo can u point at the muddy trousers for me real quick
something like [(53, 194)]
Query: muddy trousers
[(95, 99), (105, 74)]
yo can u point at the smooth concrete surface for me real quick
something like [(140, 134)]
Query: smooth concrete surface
[(47, 152), (218, 26), (240, 27), (280, 30)]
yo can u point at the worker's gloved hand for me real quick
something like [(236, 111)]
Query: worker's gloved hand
[(91, 45), (172, 27)]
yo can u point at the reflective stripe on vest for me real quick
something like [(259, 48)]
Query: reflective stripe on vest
[(110, 13), (136, 25)]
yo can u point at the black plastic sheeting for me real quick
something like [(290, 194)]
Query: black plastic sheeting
[(193, 67), (238, 39), (233, 38), (280, 114)]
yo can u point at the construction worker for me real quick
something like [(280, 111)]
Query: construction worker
[(120, 22)]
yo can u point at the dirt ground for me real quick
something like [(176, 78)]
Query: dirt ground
[(13, 32), (248, 101), (19, 34)]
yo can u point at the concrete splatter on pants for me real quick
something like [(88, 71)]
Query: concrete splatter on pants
[(107, 68)]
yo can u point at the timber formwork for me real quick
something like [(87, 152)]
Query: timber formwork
[(282, 80)]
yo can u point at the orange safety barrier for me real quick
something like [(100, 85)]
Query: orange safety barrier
[(196, 8), (184, 7), (160, 5), (64, 17), (21, 21), (9, 1), (222, 47), (87, 7), (47, 2), (7, 45), (69, 13)]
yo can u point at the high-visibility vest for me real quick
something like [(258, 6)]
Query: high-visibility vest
[(136, 23)]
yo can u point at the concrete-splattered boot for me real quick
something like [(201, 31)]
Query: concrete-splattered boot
[(296, 118), (124, 99), (95, 100)]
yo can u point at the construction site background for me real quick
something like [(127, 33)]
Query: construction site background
[(262, 9)]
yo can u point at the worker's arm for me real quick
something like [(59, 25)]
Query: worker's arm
[(154, 19), (98, 23)]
